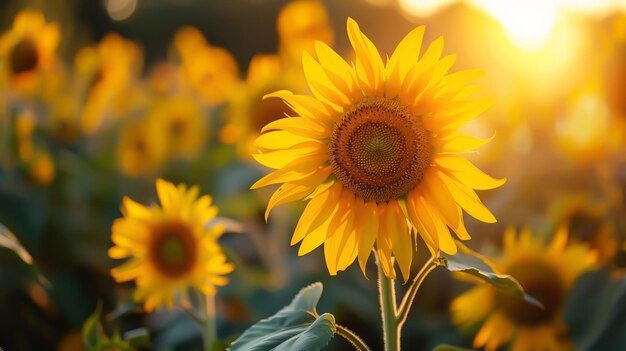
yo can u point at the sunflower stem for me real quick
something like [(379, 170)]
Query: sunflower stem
[(387, 296), (409, 296), (352, 338), (206, 306)]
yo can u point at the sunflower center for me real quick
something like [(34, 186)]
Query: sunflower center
[(379, 150), (173, 249), (541, 281), (178, 127), (23, 57)]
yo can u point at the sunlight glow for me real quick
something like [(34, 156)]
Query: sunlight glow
[(423, 8), (529, 23)]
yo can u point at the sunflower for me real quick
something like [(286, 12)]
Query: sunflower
[(248, 113), (140, 149), (107, 72), (212, 71), (28, 49), (299, 24), (184, 125), (378, 153), (547, 272), (171, 247)]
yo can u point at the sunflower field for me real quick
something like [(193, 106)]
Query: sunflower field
[(251, 175)]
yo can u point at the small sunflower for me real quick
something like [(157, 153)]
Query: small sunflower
[(377, 152), (170, 247), (248, 113), (141, 149), (212, 71), (547, 272), (184, 125), (107, 72), (300, 23), (28, 49)]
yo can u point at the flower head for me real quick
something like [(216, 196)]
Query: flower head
[(28, 49), (378, 152), (171, 247), (547, 272)]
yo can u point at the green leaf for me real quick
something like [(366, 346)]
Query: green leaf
[(10, 241), (295, 327), (91, 329), (476, 265), (450, 348), (307, 298)]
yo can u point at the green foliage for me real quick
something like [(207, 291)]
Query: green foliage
[(472, 263), (295, 327), (595, 311), (10, 241), (95, 338)]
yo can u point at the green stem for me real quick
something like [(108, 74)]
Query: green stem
[(206, 306), (349, 335), (409, 296), (387, 295)]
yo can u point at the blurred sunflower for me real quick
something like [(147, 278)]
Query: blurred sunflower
[(248, 113), (184, 125), (171, 247), (587, 132), (28, 49), (547, 272), (590, 222), (300, 23), (141, 149), (378, 152), (615, 69), (212, 71), (107, 73)]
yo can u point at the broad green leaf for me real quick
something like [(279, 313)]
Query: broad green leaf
[(450, 348), (91, 331), (295, 327), (595, 310), (477, 266), (314, 337), (307, 298)]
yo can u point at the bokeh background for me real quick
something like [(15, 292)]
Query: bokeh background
[(556, 70)]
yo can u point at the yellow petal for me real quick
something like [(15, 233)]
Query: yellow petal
[(316, 212), (369, 65), (306, 106), (403, 58), (298, 169), (281, 158), (319, 83), (290, 192), (367, 229), (279, 139), (467, 199), (338, 70), (401, 244), (465, 172), (300, 126)]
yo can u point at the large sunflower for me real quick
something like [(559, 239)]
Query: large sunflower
[(547, 272), (171, 247), (377, 152)]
